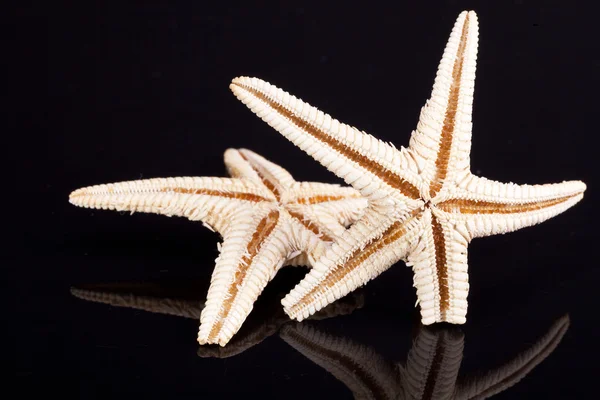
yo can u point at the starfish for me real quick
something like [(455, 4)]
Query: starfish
[(425, 205), (265, 217), (260, 327), (432, 366)]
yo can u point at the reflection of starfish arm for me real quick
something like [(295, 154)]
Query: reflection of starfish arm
[(360, 368), (177, 307), (192, 197), (432, 364), (260, 329), (507, 375)]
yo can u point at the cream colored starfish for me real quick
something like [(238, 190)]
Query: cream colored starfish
[(265, 217), (432, 366), (425, 205)]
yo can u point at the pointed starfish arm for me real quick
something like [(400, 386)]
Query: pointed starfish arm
[(363, 252), (507, 375), (487, 208), (254, 248), (432, 365), (442, 141), (158, 305), (363, 161), (244, 163), (191, 197), (366, 373)]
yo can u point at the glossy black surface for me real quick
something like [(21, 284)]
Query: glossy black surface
[(142, 91)]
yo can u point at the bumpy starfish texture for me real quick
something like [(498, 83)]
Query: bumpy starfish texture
[(425, 206), (265, 217), (432, 366)]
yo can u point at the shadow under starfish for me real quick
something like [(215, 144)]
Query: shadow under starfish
[(432, 366)]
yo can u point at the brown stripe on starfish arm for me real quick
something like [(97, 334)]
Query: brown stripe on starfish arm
[(488, 207), (346, 151), (357, 258), (449, 127), (110, 191), (310, 226), (441, 266), (321, 199), (218, 193), (263, 230), (265, 180)]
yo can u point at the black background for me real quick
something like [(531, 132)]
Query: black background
[(141, 91)]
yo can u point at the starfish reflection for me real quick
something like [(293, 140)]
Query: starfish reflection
[(432, 366), (266, 320)]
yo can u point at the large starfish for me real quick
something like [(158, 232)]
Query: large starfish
[(265, 217), (432, 366), (425, 205)]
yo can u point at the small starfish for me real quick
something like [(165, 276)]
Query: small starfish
[(260, 327), (432, 366), (265, 217), (425, 205)]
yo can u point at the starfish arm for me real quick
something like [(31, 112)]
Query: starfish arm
[(487, 208), (211, 200), (368, 164), (157, 305), (364, 251), (505, 376), (439, 263), (254, 248), (242, 163), (367, 374), (432, 364), (441, 144), (327, 202)]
